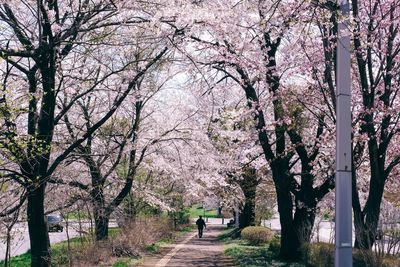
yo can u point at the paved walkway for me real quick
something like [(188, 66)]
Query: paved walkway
[(193, 251)]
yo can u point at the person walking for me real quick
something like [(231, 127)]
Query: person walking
[(200, 225)]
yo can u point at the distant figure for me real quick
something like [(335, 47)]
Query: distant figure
[(200, 225)]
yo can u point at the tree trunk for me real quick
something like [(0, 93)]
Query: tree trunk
[(38, 232), (290, 242), (367, 228), (101, 225), (247, 216), (101, 217), (366, 222), (304, 219), (248, 184)]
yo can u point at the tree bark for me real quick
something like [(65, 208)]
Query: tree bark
[(38, 232), (248, 185), (366, 227), (101, 225), (290, 242)]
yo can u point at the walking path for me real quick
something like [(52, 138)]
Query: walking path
[(193, 251)]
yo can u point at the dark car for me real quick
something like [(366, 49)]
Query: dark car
[(54, 223)]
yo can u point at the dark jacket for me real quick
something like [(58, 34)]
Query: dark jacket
[(200, 223)]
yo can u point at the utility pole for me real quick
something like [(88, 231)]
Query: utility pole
[(343, 208)]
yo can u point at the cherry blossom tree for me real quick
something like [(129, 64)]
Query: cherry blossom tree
[(243, 165), (376, 50), (117, 151), (39, 38), (246, 43), (375, 101)]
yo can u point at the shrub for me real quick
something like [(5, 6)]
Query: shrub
[(366, 258), (322, 255), (275, 245), (256, 235), (319, 254)]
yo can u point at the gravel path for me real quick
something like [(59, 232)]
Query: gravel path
[(193, 251)]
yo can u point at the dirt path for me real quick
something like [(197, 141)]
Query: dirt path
[(193, 251)]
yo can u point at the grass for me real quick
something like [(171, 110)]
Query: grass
[(112, 232), (197, 210), (127, 262), (318, 254), (74, 215), (23, 260), (250, 256), (187, 229), (59, 251), (155, 247)]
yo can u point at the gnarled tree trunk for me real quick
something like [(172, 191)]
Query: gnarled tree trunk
[(38, 232), (248, 185)]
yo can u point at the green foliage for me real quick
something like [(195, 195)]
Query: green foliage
[(296, 114), (112, 232), (23, 260), (197, 210), (180, 217), (227, 234), (180, 214), (59, 254), (76, 215), (265, 214), (275, 245), (250, 256), (256, 235), (319, 254), (120, 263), (152, 248), (186, 229), (127, 262), (253, 256)]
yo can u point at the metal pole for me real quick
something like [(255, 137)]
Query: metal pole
[(343, 220)]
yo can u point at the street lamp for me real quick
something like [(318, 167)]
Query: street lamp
[(343, 218)]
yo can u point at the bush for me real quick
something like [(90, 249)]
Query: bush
[(275, 245), (322, 255), (319, 254), (256, 235), (367, 258)]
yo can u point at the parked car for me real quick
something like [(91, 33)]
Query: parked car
[(54, 223)]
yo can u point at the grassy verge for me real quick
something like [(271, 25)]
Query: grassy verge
[(155, 247), (20, 260), (127, 262), (186, 229), (74, 215), (196, 210), (251, 256), (315, 254), (59, 253)]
